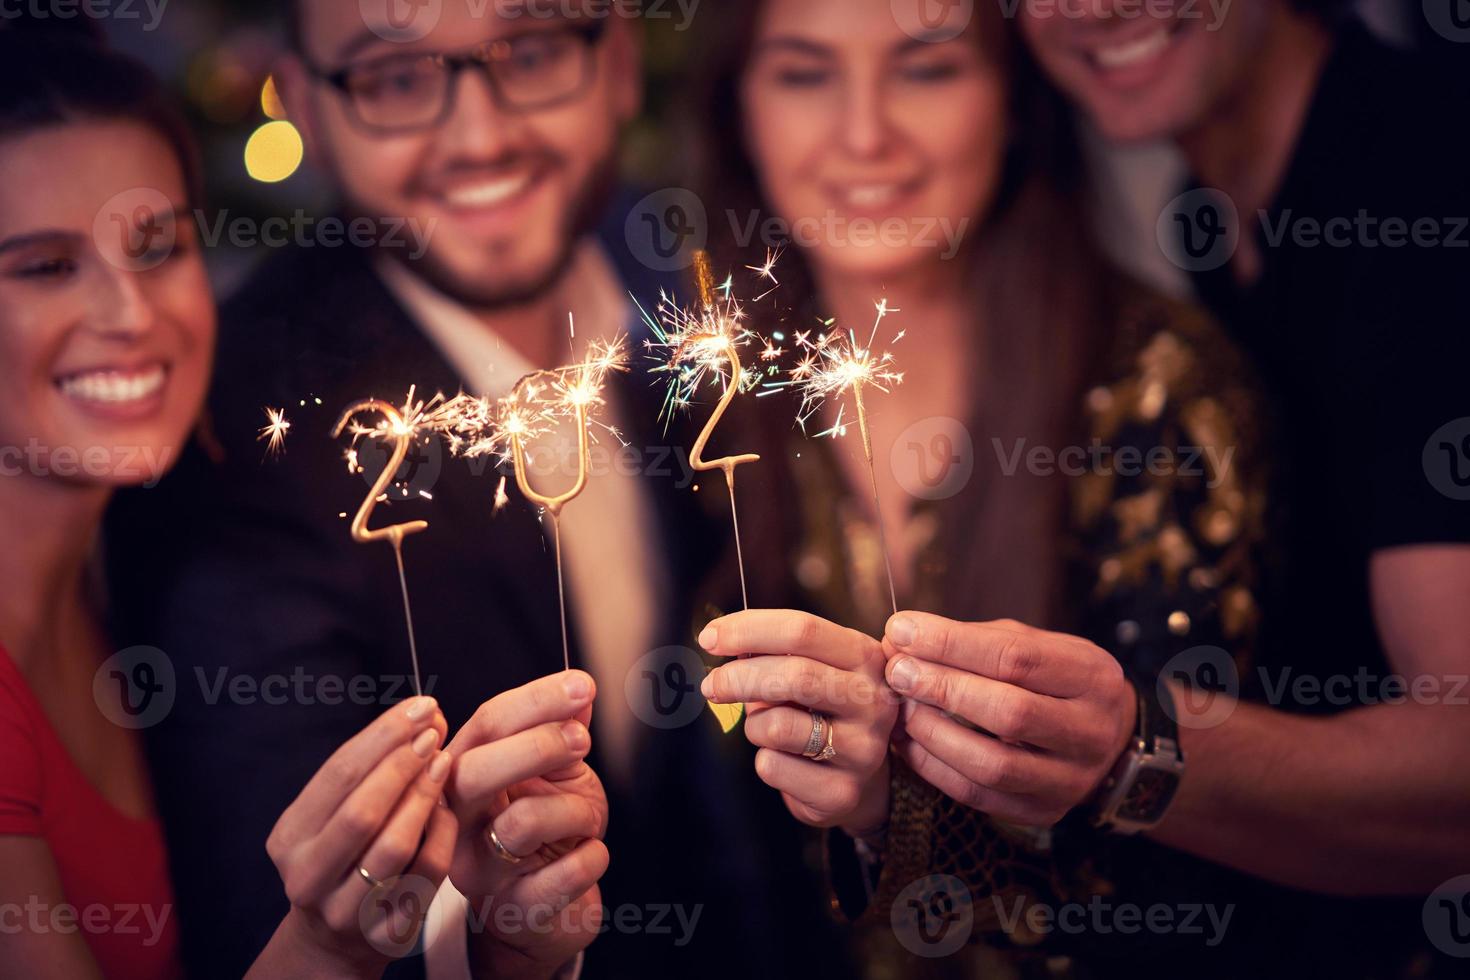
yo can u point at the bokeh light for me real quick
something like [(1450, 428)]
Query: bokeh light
[(270, 100), (274, 152)]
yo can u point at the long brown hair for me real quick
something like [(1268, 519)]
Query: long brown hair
[(1037, 292)]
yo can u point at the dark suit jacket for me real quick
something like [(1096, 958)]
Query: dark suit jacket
[(287, 637)]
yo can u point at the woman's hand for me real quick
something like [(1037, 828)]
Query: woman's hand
[(1058, 710), (520, 770), (371, 809), (828, 669)]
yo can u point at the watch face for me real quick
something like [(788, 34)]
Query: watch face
[(1149, 795)]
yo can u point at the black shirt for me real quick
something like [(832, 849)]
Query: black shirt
[(1358, 329)]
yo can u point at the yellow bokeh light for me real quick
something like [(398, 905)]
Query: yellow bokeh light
[(270, 100), (274, 152)]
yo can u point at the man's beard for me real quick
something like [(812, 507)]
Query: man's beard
[(474, 292)]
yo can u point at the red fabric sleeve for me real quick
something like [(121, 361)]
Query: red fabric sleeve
[(20, 757)]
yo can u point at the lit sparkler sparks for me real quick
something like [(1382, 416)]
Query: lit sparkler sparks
[(402, 427), (274, 432), (831, 366), (695, 345), (535, 407)]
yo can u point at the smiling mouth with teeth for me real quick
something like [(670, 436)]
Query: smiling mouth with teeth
[(1136, 51), (489, 193), (870, 196), (109, 387)]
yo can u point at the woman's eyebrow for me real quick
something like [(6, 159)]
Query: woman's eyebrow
[(797, 45), (47, 236)]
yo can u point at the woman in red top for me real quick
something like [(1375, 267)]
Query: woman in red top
[(106, 334)]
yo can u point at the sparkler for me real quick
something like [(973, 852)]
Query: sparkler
[(536, 405), (402, 427), (273, 434), (694, 346), (832, 365)]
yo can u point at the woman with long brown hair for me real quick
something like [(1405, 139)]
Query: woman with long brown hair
[(931, 169), (107, 329)]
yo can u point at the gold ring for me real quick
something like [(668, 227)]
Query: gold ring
[(814, 741), (374, 883), (501, 850), (829, 752)]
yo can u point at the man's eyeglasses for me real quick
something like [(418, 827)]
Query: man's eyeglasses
[(408, 93)]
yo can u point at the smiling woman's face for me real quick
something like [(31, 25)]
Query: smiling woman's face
[(881, 146), (106, 318)]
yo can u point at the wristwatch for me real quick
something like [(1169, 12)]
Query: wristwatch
[(1142, 784)]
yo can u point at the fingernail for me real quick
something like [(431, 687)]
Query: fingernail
[(903, 674), (424, 744), (420, 708), (901, 631), (439, 768), (707, 687), (576, 686), (710, 638), (576, 736)]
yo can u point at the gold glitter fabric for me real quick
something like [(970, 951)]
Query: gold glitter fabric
[(1163, 556)]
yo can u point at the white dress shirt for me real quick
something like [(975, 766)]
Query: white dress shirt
[(615, 614)]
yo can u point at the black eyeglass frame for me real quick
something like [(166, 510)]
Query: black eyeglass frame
[(482, 56)]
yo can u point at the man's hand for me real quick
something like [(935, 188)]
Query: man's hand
[(520, 771), (819, 667), (1057, 708)]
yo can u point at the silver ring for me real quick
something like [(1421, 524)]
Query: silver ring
[(829, 752), (502, 851), (814, 742), (374, 883)]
